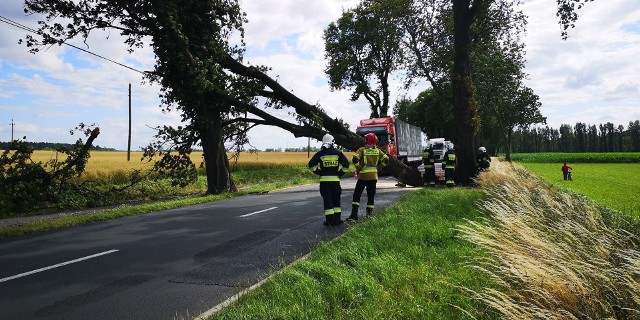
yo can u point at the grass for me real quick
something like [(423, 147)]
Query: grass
[(248, 181), (583, 157), (614, 185), (553, 254), (404, 263)]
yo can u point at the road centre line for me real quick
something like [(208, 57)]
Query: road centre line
[(58, 265), (261, 211)]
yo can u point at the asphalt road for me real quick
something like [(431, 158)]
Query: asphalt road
[(172, 264)]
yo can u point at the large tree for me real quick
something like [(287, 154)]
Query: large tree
[(363, 48), (471, 22), (201, 73)]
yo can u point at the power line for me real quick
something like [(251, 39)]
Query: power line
[(23, 27)]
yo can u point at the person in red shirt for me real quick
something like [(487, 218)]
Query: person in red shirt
[(566, 172)]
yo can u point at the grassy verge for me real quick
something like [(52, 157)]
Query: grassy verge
[(613, 185), (554, 255), (404, 263), (248, 181)]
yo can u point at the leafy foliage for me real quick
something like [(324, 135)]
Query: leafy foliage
[(27, 185), (363, 48)]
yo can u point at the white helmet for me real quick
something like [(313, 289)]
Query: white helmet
[(327, 139), (450, 146), (483, 149)]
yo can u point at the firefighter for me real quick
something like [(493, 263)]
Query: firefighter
[(449, 161), (428, 159), (367, 160), (483, 160), (330, 164)]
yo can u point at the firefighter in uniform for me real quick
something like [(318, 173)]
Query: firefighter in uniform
[(367, 161), (449, 161), (483, 160), (428, 159), (330, 164)]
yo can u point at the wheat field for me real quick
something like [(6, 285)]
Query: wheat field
[(105, 162)]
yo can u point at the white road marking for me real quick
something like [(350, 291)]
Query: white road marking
[(261, 211), (58, 265)]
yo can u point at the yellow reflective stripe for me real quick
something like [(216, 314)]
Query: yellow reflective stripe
[(355, 203), (337, 210), (329, 161), (371, 152), (328, 212), (369, 169), (329, 178)]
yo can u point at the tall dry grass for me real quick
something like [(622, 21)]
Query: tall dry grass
[(552, 255)]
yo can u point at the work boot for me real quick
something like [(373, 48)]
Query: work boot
[(329, 221), (336, 219), (369, 212), (353, 217)]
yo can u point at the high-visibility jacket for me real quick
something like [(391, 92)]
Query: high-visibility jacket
[(483, 161), (428, 158), (449, 160), (368, 160), (329, 163)]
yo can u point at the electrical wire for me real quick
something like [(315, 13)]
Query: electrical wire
[(23, 27)]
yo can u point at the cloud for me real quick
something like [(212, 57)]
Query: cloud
[(590, 77)]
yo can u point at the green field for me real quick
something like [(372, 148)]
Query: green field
[(614, 185), (582, 157)]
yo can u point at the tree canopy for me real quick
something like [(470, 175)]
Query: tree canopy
[(203, 76)]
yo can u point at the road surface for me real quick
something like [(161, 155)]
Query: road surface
[(170, 264)]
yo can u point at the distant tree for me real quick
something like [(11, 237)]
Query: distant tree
[(430, 111), (362, 49), (634, 133), (566, 138), (580, 134), (592, 132)]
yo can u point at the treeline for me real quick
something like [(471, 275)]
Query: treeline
[(582, 137), (51, 146), (300, 149)]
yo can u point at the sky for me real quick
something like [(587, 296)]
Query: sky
[(592, 77)]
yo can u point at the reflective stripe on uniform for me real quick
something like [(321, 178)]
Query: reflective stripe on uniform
[(369, 169), (329, 178), (328, 212), (329, 161)]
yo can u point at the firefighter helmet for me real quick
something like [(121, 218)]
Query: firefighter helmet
[(371, 138), (327, 139), (482, 149), (450, 146)]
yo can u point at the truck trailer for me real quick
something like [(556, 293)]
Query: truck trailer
[(399, 139)]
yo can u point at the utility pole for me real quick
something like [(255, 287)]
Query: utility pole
[(12, 125), (129, 142)]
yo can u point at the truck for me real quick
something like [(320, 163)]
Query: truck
[(399, 139)]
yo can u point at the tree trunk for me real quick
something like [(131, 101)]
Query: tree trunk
[(507, 149), (465, 108), (219, 179), (343, 137)]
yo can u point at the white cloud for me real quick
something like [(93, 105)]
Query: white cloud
[(591, 77)]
